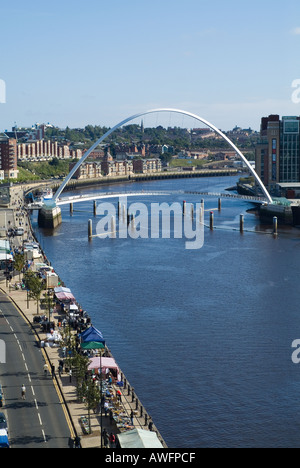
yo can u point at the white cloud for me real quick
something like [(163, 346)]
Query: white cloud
[(296, 31)]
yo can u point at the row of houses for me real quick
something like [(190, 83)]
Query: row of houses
[(45, 149), (112, 167)]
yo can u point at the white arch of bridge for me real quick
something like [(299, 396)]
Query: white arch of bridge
[(177, 111)]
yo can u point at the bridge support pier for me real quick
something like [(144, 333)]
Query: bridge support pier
[(49, 216)]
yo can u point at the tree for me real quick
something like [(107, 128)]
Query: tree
[(35, 286), (48, 302), (19, 263), (92, 398)]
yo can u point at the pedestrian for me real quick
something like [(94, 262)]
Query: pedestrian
[(46, 368), (77, 442), (131, 417), (23, 392), (119, 396), (106, 408), (105, 438), (70, 375), (112, 440), (150, 426), (71, 443), (53, 370)]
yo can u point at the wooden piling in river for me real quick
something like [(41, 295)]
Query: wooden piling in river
[(90, 229), (241, 224), (275, 225), (211, 221)]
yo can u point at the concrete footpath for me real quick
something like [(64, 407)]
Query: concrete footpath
[(15, 216)]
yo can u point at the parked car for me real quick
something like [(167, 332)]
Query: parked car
[(3, 422), (4, 442), (39, 318)]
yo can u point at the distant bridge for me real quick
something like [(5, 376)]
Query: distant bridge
[(177, 111), (101, 196), (231, 195), (108, 195)]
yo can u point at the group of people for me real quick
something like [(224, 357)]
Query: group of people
[(108, 440)]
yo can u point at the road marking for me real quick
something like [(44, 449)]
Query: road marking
[(32, 389), (44, 436), (40, 419)]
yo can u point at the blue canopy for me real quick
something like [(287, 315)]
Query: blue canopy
[(92, 334)]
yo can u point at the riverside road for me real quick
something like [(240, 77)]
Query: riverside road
[(38, 421)]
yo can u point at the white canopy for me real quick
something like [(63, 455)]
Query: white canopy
[(139, 438), (5, 256)]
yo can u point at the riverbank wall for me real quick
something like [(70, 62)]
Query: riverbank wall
[(77, 184)]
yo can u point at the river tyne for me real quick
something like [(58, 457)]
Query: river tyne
[(204, 336)]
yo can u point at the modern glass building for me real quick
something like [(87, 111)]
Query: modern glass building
[(278, 153), (289, 150)]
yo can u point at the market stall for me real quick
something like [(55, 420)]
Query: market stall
[(106, 364), (138, 438), (61, 289), (64, 296), (92, 334)]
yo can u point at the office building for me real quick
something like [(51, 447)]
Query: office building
[(278, 153)]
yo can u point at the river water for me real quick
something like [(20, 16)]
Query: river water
[(204, 336)]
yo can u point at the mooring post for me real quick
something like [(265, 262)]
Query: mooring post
[(241, 224), (219, 204), (211, 221), (202, 211), (113, 227), (95, 208), (184, 208), (200, 215), (192, 211), (90, 229), (275, 225), (71, 208)]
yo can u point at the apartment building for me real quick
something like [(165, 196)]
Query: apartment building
[(146, 166), (8, 157), (45, 149)]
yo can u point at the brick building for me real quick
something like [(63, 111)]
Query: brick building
[(8, 157)]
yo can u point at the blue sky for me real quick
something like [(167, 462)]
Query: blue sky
[(97, 62)]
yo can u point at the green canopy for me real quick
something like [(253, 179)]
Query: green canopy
[(92, 345)]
